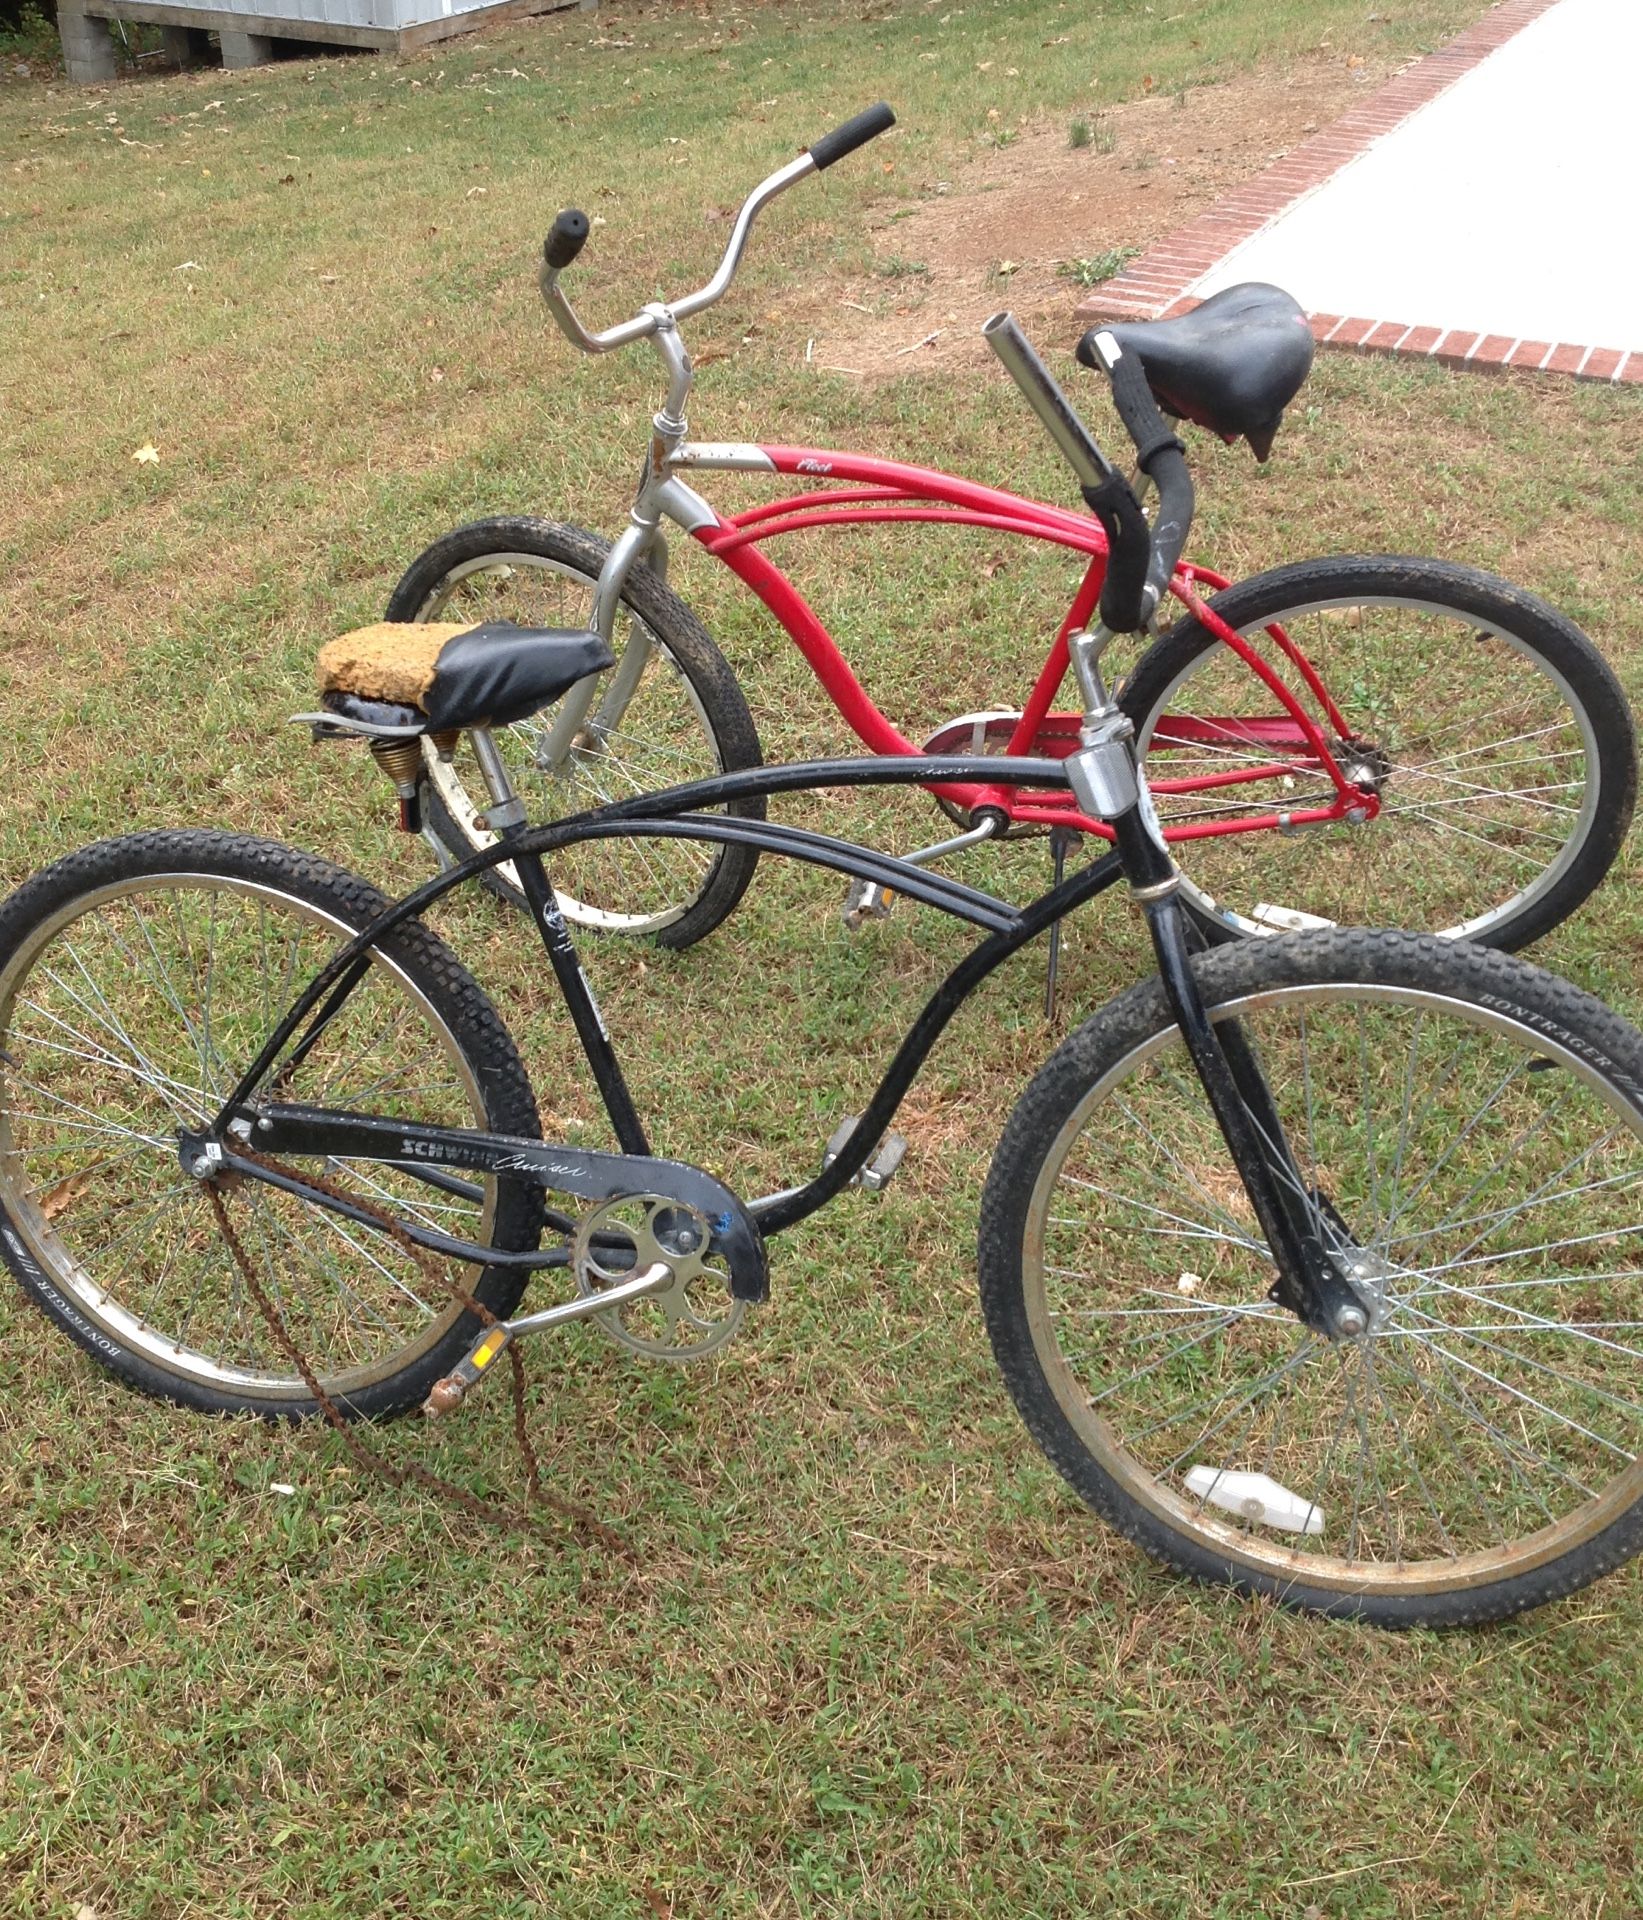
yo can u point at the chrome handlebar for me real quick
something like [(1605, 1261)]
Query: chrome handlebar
[(1043, 394), (642, 325), (571, 231)]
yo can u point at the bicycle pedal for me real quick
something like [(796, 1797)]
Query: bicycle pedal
[(446, 1395), (878, 1171), (866, 900)]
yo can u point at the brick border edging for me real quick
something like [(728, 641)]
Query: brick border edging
[(1154, 286)]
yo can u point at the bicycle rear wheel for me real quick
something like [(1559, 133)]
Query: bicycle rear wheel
[(138, 980), (669, 711), (1470, 1131), (1500, 744)]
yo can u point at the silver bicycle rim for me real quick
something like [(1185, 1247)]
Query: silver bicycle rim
[(1441, 813), (116, 1139), (1472, 1435), (603, 776)]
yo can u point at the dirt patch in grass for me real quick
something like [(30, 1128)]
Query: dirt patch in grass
[(1023, 222)]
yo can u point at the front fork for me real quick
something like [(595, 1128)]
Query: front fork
[(1108, 784)]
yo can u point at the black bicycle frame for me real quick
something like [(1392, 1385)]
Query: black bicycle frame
[(1228, 1069)]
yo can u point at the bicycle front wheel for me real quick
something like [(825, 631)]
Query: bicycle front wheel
[(1469, 1130), (669, 711), (1499, 742), (138, 979)]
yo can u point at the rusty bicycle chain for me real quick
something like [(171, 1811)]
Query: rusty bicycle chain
[(494, 1513)]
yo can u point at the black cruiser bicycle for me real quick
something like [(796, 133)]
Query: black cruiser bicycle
[(1311, 1262)]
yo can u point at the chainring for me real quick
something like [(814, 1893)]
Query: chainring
[(984, 733), (694, 1314)]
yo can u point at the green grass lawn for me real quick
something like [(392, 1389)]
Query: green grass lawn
[(867, 1656)]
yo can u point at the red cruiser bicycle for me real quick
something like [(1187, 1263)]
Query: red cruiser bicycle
[(1381, 740)]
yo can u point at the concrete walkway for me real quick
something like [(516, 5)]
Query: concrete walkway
[(1481, 208)]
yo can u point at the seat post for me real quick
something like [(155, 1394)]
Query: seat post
[(506, 810)]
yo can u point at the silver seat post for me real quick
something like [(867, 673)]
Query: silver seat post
[(506, 809)]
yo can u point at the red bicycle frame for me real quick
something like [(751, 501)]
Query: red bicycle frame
[(864, 491)]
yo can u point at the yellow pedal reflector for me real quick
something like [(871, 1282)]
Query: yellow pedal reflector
[(447, 1395)]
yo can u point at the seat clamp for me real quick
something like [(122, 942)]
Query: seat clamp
[(505, 814)]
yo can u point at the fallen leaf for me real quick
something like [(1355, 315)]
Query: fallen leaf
[(148, 456), (65, 1193)]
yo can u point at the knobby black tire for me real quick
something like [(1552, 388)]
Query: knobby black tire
[(647, 598), (1542, 633), (1552, 1009), (466, 1012)]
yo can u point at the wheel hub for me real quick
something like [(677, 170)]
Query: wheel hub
[(1364, 764), (199, 1154), (1347, 1299)]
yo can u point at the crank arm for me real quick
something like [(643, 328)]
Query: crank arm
[(326, 1133), (447, 1394), (652, 1280)]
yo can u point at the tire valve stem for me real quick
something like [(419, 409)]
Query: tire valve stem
[(401, 760)]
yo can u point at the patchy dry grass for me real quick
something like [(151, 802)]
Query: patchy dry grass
[(868, 1658)]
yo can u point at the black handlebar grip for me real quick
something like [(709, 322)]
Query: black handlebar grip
[(1139, 411), (1173, 521), (1129, 553), (566, 238), (854, 133)]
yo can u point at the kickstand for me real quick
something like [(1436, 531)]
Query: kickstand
[(1061, 839)]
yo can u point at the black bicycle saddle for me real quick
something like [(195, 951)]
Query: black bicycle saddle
[(1232, 365), (435, 678)]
